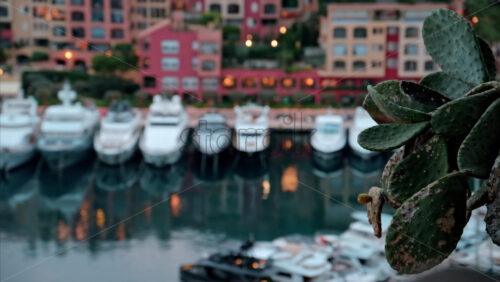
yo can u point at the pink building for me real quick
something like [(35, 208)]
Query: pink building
[(180, 59)]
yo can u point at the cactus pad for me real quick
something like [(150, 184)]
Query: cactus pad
[(428, 226), (446, 85), (477, 153), (374, 210), (423, 95), (375, 113), (456, 119), (488, 58), (390, 101), (430, 161), (395, 159), (386, 137), (444, 28), (492, 218)]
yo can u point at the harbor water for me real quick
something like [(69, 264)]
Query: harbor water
[(93, 222)]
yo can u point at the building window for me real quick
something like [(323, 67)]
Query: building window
[(208, 65), (359, 65), (190, 83), (158, 13), (149, 82), (58, 15), (116, 4), (308, 82), (229, 81), (233, 9), (145, 45), (377, 47), (116, 16), (429, 65), (359, 50), (98, 32), (410, 66), (376, 64), (290, 3), (59, 31), (392, 63), (268, 82), (59, 2), (249, 82), (269, 9), (215, 8), (338, 65), (287, 82), (254, 7), (4, 12), (78, 32), (117, 33), (142, 11), (392, 30), (339, 49), (360, 32), (97, 4), (209, 83), (208, 48), (378, 30), (392, 46), (170, 46), (194, 63), (77, 17), (170, 64), (170, 83), (77, 2), (142, 25), (411, 32), (411, 49), (339, 32), (195, 45), (146, 63), (97, 16), (251, 22)]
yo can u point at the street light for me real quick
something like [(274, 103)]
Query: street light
[(475, 20), (283, 29), (248, 43), (68, 55), (274, 43)]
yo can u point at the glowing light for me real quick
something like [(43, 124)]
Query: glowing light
[(266, 189), (68, 55), (228, 81), (1, 71), (255, 265), (283, 29), (287, 82), (108, 53), (249, 36), (475, 20), (274, 43), (248, 43), (175, 204), (289, 180), (100, 218), (238, 261), (287, 144), (309, 82)]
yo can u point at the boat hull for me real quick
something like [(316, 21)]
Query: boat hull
[(328, 161), (161, 159), (12, 159), (118, 157)]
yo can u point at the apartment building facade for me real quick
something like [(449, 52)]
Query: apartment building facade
[(5, 23), (180, 59), (366, 43)]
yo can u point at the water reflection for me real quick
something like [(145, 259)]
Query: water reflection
[(107, 208)]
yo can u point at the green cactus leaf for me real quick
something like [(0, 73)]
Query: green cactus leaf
[(426, 164), (477, 153), (488, 58), (423, 95), (393, 161), (427, 227), (483, 87), (386, 137), (374, 111), (396, 105), (464, 112), (479, 198), (451, 42), (446, 85)]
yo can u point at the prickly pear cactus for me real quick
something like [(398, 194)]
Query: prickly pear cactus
[(446, 129)]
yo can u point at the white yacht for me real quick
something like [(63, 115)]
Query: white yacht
[(362, 121), (117, 140), (165, 131), (67, 130), (251, 128), (328, 141), (18, 125), (212, 135)]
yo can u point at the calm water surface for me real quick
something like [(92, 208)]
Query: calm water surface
[(92, 222)]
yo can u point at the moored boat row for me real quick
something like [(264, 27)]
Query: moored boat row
[(69, 131)]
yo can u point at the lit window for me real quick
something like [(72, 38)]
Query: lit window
[(308, 82), (249, 82), (268, 82), (229, 82), (288, 82)]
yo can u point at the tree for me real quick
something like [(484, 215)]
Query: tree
[(112, 95), (140, 98), (3, 55), (104, 65), (126, 56), (39, 56), (268, 96)]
